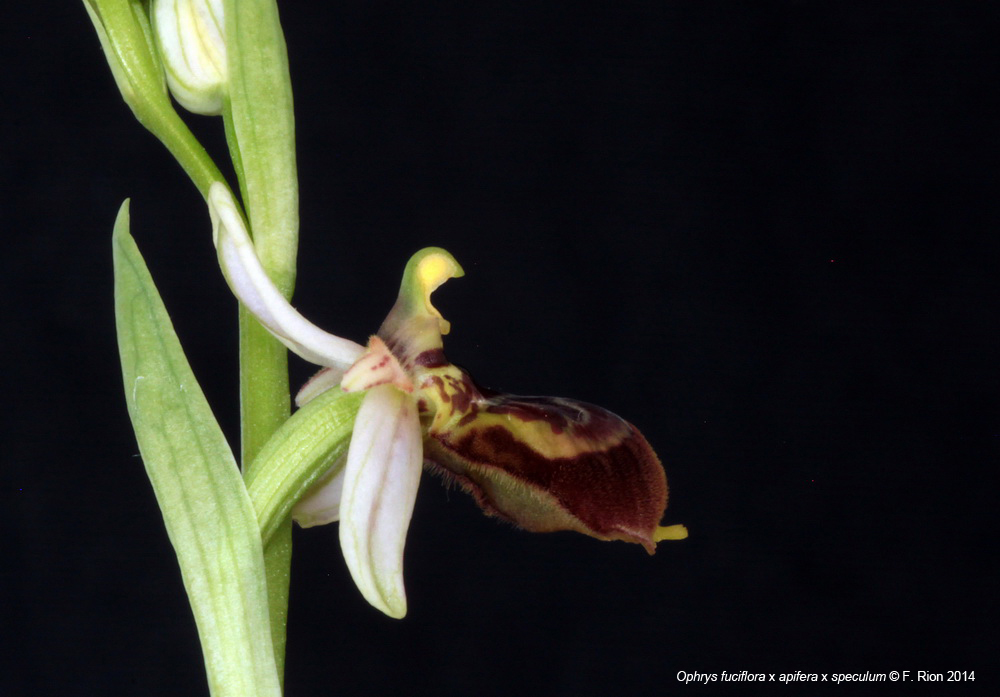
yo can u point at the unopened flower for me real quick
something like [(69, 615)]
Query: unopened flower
[(190, 35), (542, 463)]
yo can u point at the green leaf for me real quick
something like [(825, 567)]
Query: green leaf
[(206, 509), (298, 454), (262, 137)]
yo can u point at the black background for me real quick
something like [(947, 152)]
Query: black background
[(766, 233)]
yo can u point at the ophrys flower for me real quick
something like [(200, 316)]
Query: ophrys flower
[(542, 463)]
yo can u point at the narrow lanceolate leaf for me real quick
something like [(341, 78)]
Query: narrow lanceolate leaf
[(205, 506), (299, 454)]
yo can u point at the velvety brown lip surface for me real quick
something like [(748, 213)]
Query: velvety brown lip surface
[(613, 485)]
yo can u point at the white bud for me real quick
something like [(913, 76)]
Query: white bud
[(191, 37)]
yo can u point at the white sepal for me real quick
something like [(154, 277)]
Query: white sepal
[(321, 504), (190, 35), (380, 486), (326, 379), (250, 283)]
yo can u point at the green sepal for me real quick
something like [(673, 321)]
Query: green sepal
[(298, 454), (127, 39), (207, 512)]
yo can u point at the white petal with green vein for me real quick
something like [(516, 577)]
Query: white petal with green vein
[(380, 487), (250, 283), (321, 504)]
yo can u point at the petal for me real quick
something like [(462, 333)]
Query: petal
[(380, 487), (250, 283), (325, 379), (548, 464), (321, 504), (376, 367)]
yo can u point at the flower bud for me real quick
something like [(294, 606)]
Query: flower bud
[(191, 37)]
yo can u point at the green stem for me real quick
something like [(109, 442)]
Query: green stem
[(186, 149), (261, 136), (264, 406)]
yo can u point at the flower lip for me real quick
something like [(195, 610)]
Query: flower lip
[(548, 464)]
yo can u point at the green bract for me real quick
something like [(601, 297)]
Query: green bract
[(208, 515)]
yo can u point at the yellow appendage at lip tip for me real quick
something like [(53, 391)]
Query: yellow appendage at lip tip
[(670, 532)]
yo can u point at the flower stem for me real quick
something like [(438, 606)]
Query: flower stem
[(186, 149), (264, 406), (260, 132)]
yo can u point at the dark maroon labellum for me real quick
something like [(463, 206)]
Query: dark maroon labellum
[(554, 464)]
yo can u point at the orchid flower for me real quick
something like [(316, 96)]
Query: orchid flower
[(542, 463)]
